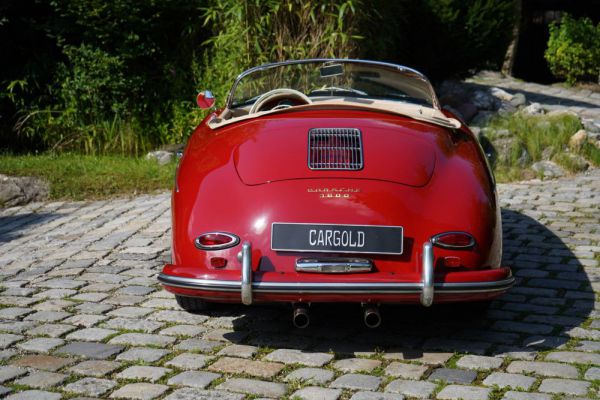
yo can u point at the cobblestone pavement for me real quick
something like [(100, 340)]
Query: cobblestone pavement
[(583, 102), (82, 316)]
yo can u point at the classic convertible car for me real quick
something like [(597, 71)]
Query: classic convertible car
[(333, 180)]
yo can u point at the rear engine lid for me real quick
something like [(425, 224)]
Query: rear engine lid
[(287, 149)]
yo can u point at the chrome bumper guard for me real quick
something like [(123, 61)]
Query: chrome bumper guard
[(426, 288)]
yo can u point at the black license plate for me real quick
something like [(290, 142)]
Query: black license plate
[(333, 238)]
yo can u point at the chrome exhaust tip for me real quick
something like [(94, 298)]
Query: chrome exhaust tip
[(372, 318), (300, 317)]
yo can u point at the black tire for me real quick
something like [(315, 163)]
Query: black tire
[(192, 304)]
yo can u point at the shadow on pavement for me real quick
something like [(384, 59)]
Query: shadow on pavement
[(552, 295), (12, 226)]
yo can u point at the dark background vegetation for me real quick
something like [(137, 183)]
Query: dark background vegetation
[(120, 76)]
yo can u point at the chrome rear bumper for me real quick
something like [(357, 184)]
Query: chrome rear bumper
[(426, 288)]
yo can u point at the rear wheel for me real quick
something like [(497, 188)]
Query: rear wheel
[(192, 304)]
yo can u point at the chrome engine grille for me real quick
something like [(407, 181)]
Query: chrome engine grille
[(335, 148)]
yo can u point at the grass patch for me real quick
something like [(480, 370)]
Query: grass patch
[(79, 177), (534, 138)]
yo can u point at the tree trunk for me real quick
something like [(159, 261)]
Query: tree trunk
[(511, 52)]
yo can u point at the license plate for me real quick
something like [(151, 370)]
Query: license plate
[(334, 238)]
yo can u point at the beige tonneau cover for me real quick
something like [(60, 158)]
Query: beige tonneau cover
[(415, 111)]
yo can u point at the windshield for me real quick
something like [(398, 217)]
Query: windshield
[(334, 78)]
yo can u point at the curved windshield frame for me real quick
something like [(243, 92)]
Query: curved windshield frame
[(330, 78)]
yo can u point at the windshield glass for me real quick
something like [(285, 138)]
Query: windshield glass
[(335, 78)]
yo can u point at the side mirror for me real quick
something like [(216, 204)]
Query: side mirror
[(205, 100)]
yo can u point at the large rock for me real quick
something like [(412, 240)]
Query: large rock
[(533, 109), (15, 191), (518, 100), (161, 156), (548, 169), (483, 100), (577, 141), (591, 125), (501, 94)]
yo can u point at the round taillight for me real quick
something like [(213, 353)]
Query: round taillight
[(453, 240), (216, 241)]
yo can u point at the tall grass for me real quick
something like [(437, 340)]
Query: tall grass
[(539, 137)]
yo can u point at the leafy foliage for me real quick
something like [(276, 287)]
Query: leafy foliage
[(573, 51), (259, 31), (120, 76)]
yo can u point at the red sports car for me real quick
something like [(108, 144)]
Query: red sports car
[(333, 180)]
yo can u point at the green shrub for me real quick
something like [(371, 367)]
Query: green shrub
[(573, 51)]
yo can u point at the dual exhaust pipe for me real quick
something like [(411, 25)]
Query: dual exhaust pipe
[(301, 316)]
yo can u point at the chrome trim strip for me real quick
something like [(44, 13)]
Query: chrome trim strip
[(435, 240), (427, 274), (246, 284), (335, 287), (234, 241), (334, 265)]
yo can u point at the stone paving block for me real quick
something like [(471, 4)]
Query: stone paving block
[(4, 390), (430, 358), (86, 320), (142, 354), (34, 395), (143, 372), (543, 369), (52, 330), (251, 386), (457, 392), (356, 382), (139, 391), (479, 363), (238, 350), (409, 388), (566, 386), (90, 350), (406, 371), (317, 393), (14, 312), (8, 373), (592, 374), (356, 365), (315, 376), (42, 379), (525, 396), (40, 345), (197, 394), (376, 396), (189, 361), (91, 334), (197, 379), (6, 354), (574, 357), (232, 365), (452, 375), (95, 368), (16, 326), (183, 330), (197, 345), (90, 386), (47, 316), (130, 312), (144, 325), (289, 356), (47, 363), (142, 339), (512, 381), (8, 339)]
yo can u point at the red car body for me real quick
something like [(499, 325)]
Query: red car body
[(246, 177)]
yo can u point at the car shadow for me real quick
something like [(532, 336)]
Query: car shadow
[(13, 226), (552, 295)]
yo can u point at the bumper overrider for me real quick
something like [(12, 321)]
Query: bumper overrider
[(426, 289)]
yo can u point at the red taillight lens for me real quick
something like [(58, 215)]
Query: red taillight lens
[(453, 240), (216, 241)]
